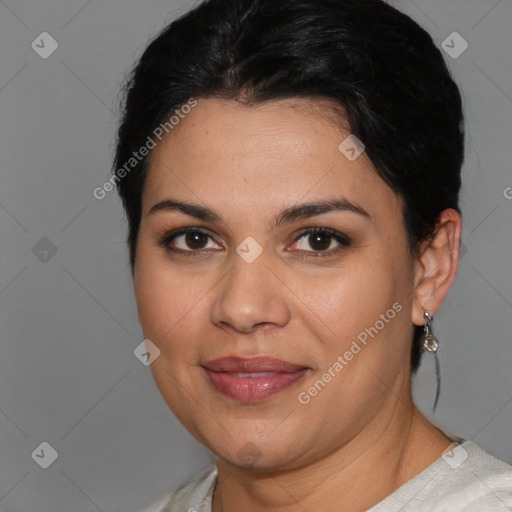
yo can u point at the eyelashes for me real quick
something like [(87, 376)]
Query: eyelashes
[(196, 235), (315, 234), (167, 239)]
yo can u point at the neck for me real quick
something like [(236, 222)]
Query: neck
[(392, 450)]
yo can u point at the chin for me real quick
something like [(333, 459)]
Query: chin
[(255, 454)]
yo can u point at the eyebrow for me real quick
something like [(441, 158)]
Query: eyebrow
[(291, 214)]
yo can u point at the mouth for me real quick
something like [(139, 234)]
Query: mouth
[(252, 379)]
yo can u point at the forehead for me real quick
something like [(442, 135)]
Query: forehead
[(263, 157)]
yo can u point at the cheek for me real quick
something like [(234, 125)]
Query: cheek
[(359, 314), (155, 293), (161, 301), (172, 306), (171, 314), (345, 302), (357, 322)]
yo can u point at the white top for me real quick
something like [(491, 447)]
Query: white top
[(466, 479)]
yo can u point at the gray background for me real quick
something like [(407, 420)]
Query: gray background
[(68, 375)]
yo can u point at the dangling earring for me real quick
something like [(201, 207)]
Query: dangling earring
[(429, 343)]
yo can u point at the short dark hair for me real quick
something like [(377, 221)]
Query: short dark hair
[(374, 61)]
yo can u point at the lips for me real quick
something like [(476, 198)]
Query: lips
[(252, 379), (251, 365)]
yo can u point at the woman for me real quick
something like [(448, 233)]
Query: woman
[(290, 173)]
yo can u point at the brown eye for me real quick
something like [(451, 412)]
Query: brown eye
[(321, 241), (195, 240), (189, 240)]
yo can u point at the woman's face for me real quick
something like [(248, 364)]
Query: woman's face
[(334, 307)]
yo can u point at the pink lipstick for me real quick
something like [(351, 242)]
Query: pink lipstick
[(252, 379)]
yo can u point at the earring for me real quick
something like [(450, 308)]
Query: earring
[(429, 343)]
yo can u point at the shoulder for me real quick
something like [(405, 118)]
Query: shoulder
[(478, 479), (464, 479), (193, 495)]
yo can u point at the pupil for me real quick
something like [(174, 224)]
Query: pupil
[(316, 241), (195, 240)]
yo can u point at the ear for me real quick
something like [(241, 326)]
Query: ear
[(436, 267)]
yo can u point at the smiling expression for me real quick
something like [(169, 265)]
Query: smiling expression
[(260, 239)]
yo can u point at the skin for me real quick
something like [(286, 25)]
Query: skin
[(248, 164)]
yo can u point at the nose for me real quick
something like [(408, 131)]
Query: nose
[(250, 297)]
